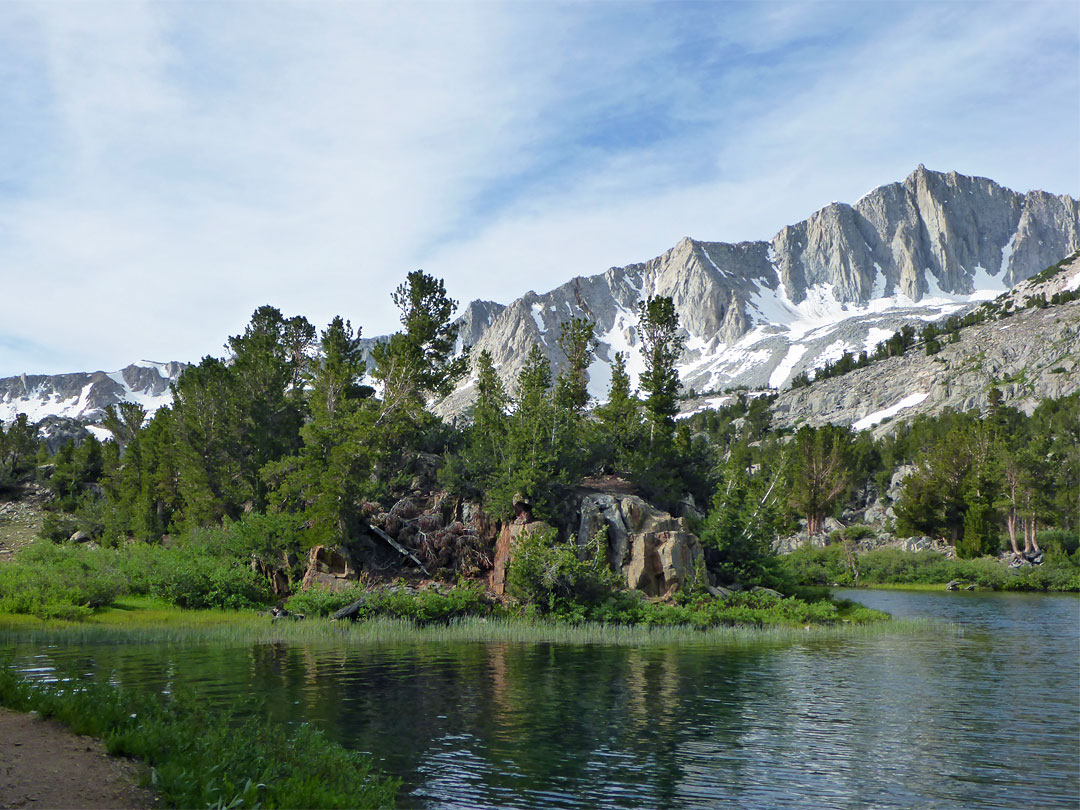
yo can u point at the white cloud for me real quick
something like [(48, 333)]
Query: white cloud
[(169, 167)]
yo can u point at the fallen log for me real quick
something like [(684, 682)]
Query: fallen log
[(399, 548)]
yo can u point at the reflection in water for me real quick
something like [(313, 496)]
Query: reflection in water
[(986, 719)]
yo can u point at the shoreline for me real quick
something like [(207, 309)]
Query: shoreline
[(141, 621), (46, 764)]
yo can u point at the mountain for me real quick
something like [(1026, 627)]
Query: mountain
[(755, 314), (83, 397), (758, 313)]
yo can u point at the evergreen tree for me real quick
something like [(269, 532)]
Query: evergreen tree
[(661, 345), (530, 453), (578, 343), (742, 524), (415, 365), (328, 479), (233, 418), (18, 445), (620, 420), (821, 472), (124, 420)]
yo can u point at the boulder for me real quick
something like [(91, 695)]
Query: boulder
[(896, 483), (831, 525), (654, 550), (521, 526), (330, 567)]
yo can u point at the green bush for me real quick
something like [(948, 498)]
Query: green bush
[(64, 581), (422, 607), (191, 581), (320, 601), (546, 573)]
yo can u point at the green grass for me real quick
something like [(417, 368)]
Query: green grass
[(196, 758), (144, 621)]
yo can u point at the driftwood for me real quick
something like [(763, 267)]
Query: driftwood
[(350, 611), (399, 548)]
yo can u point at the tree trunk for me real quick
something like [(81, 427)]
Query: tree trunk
[(1010, 521)]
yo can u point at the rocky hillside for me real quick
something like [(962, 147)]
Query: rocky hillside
[(1029, 356), (757, 313)]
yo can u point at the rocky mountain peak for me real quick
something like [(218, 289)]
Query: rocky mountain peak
[(757, 313)]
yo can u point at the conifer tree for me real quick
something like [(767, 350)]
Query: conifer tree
[(327, 480), (661, 345), (620, 419), (821, 472)]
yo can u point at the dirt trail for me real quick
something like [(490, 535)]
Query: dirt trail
[(44, 766)]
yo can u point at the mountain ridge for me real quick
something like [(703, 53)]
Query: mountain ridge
[(754, 313)]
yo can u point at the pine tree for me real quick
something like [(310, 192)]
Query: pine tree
[(530, 453), (821, 472), (124, 421), (661, 345), (328, 479), (620, 419)]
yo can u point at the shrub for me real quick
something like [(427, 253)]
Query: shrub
[(59, 581), (546, 573), (192, 581), (320, 601)]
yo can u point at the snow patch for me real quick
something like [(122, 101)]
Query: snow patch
[(783, 371), (880, 282), (599, 379), (707, 404), (1006, 254), (100, 433), (874, 336), (537, 309), (877, 416), (1073, 283)]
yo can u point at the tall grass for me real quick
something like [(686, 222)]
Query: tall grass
[(162, 625), (199, 759)]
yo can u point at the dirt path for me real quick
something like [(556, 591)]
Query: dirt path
[(45, 766)]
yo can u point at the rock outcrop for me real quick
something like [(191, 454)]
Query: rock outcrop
[(523, 525), (331, 568), (655, 551)]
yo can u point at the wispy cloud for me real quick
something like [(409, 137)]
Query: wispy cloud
[(166, 168)]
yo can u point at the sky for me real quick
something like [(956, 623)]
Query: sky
[(166, 168)]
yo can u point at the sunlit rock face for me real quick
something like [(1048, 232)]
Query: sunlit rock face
[(758, 313)]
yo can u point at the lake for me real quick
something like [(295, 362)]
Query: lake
[(985, 718)]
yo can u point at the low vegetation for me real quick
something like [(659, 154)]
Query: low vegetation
[(201, 758), (835, 565)]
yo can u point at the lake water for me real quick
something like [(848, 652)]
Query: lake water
[(986, 719)]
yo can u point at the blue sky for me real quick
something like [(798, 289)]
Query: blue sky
[(165, 168)]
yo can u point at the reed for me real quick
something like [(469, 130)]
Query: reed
[(162, 625)]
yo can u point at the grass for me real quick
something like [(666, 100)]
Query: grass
[(135, 620), (199, 759)]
